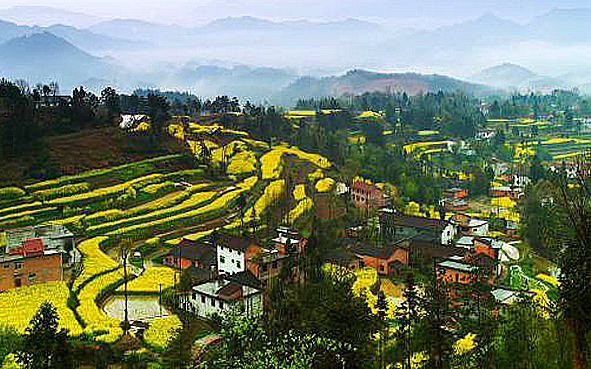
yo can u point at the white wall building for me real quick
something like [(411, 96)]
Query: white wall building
[(241, 290), (448, 234), (230, 260), (478, 227)]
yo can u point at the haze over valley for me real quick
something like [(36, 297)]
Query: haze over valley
[(262, 59)]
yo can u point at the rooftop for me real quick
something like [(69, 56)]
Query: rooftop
[(402, 220), (450, 264)]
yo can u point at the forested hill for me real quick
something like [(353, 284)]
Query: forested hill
[(359, 81)]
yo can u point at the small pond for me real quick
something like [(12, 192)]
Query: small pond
[(145, 308)]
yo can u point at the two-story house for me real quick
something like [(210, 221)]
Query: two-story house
[(238, 290), (367, 196), (34, 254)]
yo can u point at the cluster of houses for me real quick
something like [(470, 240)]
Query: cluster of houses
[(227, 270), (457, 248)]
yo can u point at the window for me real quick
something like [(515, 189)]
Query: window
[(194, 296), (238, 264), (212, 302), (381, 268), (202, 299), (264, 268), (18, 265), (222, 259), (6, 266), (457, 275), (32, 276), (221, 305), (274, 266)]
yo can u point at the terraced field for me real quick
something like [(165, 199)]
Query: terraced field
[(155, 203)]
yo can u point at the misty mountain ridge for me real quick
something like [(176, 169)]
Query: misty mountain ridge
[(515, 77), (46, 16), (359, 81), (44, 57), (81, 38)]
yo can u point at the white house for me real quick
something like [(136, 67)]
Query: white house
[(478, 227), (231, 252), (241, 290), (131, 120)]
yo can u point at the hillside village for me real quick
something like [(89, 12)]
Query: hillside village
[(237, 208)]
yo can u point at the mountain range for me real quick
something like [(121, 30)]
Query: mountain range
[(261, 59)]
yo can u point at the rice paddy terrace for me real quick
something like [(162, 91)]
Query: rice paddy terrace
[(155, 203)]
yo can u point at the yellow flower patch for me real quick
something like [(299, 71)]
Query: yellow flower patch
[(325, 185), (242, 163), (93, 260), (162, 330), (19, 305), (151, 280), (548, 279), (301, 208), (299, 192), (93, 316)]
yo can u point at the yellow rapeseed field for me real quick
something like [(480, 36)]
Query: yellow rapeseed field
[(93, 260), (161, 330), (18, 305), (151, 280)]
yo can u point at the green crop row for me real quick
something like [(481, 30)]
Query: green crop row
[(122, 172), (67, 190)]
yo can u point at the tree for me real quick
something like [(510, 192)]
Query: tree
[(569, 227), (246, 343), (433, 323), (44, 346), (158, 112)]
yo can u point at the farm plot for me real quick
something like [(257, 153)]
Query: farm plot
[(150, 202)]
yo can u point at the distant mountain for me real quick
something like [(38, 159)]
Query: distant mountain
[(139, 30), (9, 30), (360, 81), (562, 25), (512, 76), (90, 41), (84, 39), (46, 16), (44, 57), (254, 83), (233, 30)]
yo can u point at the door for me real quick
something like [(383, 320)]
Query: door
[(17, 282)]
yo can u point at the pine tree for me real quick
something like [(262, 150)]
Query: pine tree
[(45, 346)]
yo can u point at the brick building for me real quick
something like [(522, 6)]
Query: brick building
[(367, 196), (35, 254)]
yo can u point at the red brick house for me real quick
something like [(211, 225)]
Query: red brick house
[(386, 260), (191, 254), (33, 255), (366, 196)]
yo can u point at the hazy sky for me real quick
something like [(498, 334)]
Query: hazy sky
[(402, 13)]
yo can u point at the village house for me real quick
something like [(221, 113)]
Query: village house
[(367, 196), (191, 254), (34, 254), (423, 253), (454, 199), (470, 227), (386, 260), (395, 225), (240, 290)]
